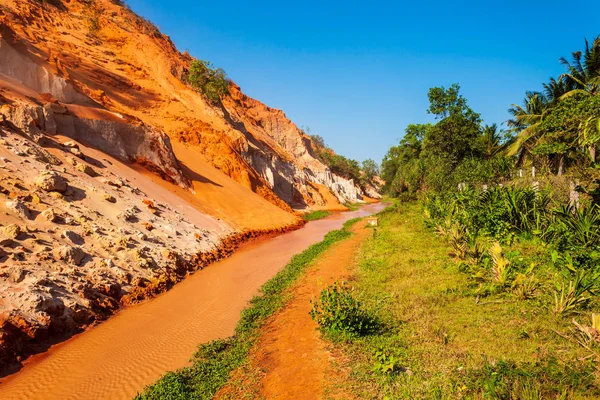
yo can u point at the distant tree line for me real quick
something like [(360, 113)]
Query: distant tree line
[(556, 129)]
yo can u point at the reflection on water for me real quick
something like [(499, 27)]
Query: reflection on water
[(118, 358)]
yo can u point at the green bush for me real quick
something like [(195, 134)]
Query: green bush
[(338, 312), (498, 212), (210, 81)]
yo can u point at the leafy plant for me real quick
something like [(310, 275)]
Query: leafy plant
[(545, 379), (338, 312), (525, 287), (500, 266), (386, 363), (588, 336), (573, 295)]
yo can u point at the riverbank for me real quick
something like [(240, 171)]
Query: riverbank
[(134, 348), (445, 334), (214, 361), (436, 334), (290, 359)]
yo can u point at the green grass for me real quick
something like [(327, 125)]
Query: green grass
[(353, 206), (443, 339), (214, 361), (315, 215)]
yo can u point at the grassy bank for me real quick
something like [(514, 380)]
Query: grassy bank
[(444, 335), (214, 361), (315, 215), (352, 206)]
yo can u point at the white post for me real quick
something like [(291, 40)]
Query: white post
[(573, 196), (533, 172)]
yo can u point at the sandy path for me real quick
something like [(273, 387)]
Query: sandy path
[(294, 360)]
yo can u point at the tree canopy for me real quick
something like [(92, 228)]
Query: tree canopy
[(210, 81), (556, 128)]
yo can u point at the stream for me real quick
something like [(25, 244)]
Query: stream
[(118, 358)]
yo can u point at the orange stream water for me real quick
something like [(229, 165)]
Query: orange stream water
[(118, 358)]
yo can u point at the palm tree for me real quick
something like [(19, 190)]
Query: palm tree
[(525, 122), (556, 89), (589, 135), (492, 141), (583, 72)]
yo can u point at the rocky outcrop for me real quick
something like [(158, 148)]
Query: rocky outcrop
[(283, 154), (128, 139), (101, 79), (69, 259)]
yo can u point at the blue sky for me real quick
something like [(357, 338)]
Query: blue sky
[(358, 72)]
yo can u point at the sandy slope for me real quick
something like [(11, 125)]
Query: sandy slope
[(127, 66)]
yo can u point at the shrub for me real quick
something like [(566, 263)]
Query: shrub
[(573, 295), (211, 82), (338, 312), (386, 362)]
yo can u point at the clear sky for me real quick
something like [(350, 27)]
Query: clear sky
[(358, 72)]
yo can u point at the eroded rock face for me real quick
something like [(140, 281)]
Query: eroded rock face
[(19, 207), (290, 170), (49, 215), (11, 231), (51, 181), (16, 274), (54, 277), (70, 254)]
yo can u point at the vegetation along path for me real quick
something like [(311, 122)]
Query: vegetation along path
[(291, 360), (416, 319), (448, 328)]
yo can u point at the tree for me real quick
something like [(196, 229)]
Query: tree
[(456, 135), (211, 82), (525, 122), (452, 139), (370, 169), (556, 89), (402, 168), (492, 141), (318, 141), (583, 72), (444, 103)]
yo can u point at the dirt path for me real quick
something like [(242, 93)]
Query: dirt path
[(291, 360)]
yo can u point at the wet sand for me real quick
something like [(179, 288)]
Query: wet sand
[(116, 359)]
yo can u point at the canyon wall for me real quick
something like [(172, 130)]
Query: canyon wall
[(123, 68), (117, 179)]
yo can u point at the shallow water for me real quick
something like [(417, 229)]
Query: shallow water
[(116, 359)]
